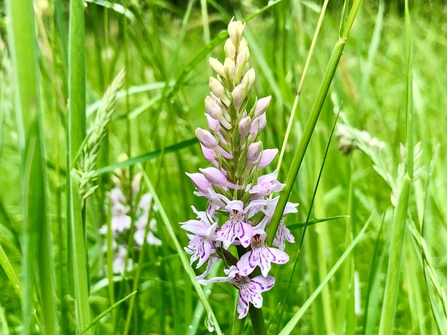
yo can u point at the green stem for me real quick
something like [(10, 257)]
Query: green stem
[(257, 320), (75, 135), (238, 324), (300, 85)]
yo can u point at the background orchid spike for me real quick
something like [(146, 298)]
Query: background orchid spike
[(128, 202), (234, 187)]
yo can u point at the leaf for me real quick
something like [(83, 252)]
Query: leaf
[(297, 225), (147, 157)]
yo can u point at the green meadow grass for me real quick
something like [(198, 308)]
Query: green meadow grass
[(370, 251)]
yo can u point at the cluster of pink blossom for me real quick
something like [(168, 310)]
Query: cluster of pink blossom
[(121, 220), (236, 190)]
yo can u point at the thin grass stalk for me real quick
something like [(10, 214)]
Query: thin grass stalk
[(3, 321), (75, 135), (373, 294), (107, 311), (412, 274), (59, 228), (431, 280), (399, 224), (198, 311), (289, 328), (395, 260), (295, 263), (300, 85), (368, 66), (36, 229), (409, 90), (10, 272), (109, 261), (310, 125), (323, 243), (205, 19), (62, 33), (184, 260), (136, 280)]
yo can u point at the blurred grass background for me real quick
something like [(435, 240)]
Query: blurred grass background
[(155, 41)]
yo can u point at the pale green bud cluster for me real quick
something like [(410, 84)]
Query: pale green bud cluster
[(234, 130)]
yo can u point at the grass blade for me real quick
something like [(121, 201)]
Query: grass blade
[(10, 272), (79, 262), (311, 122), (3, 321), (395, 260), (400, 219), (36, 229), (288, 329), (147, 157), (75, 135), (315, 221), (107, 311), (300, 86), (306, 223), (184, 260)]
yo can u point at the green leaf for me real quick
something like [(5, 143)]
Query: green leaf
[(36, 229), (78, 265), (147, 157), (314, 221), (10, 272), (107, 311)]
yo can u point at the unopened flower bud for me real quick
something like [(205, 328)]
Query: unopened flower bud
[(254, 150), (242, 56), (229, 68), (230, 50), (213, 124), (244, 126), (200, 181), (248, 80), (262, 105), (214, 110), (209, 154), (217, 66), (206, 138), (235, 30), (214, 176), (217, 88), (238, 95), (243, 44), (258, 125), (267, 156)]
